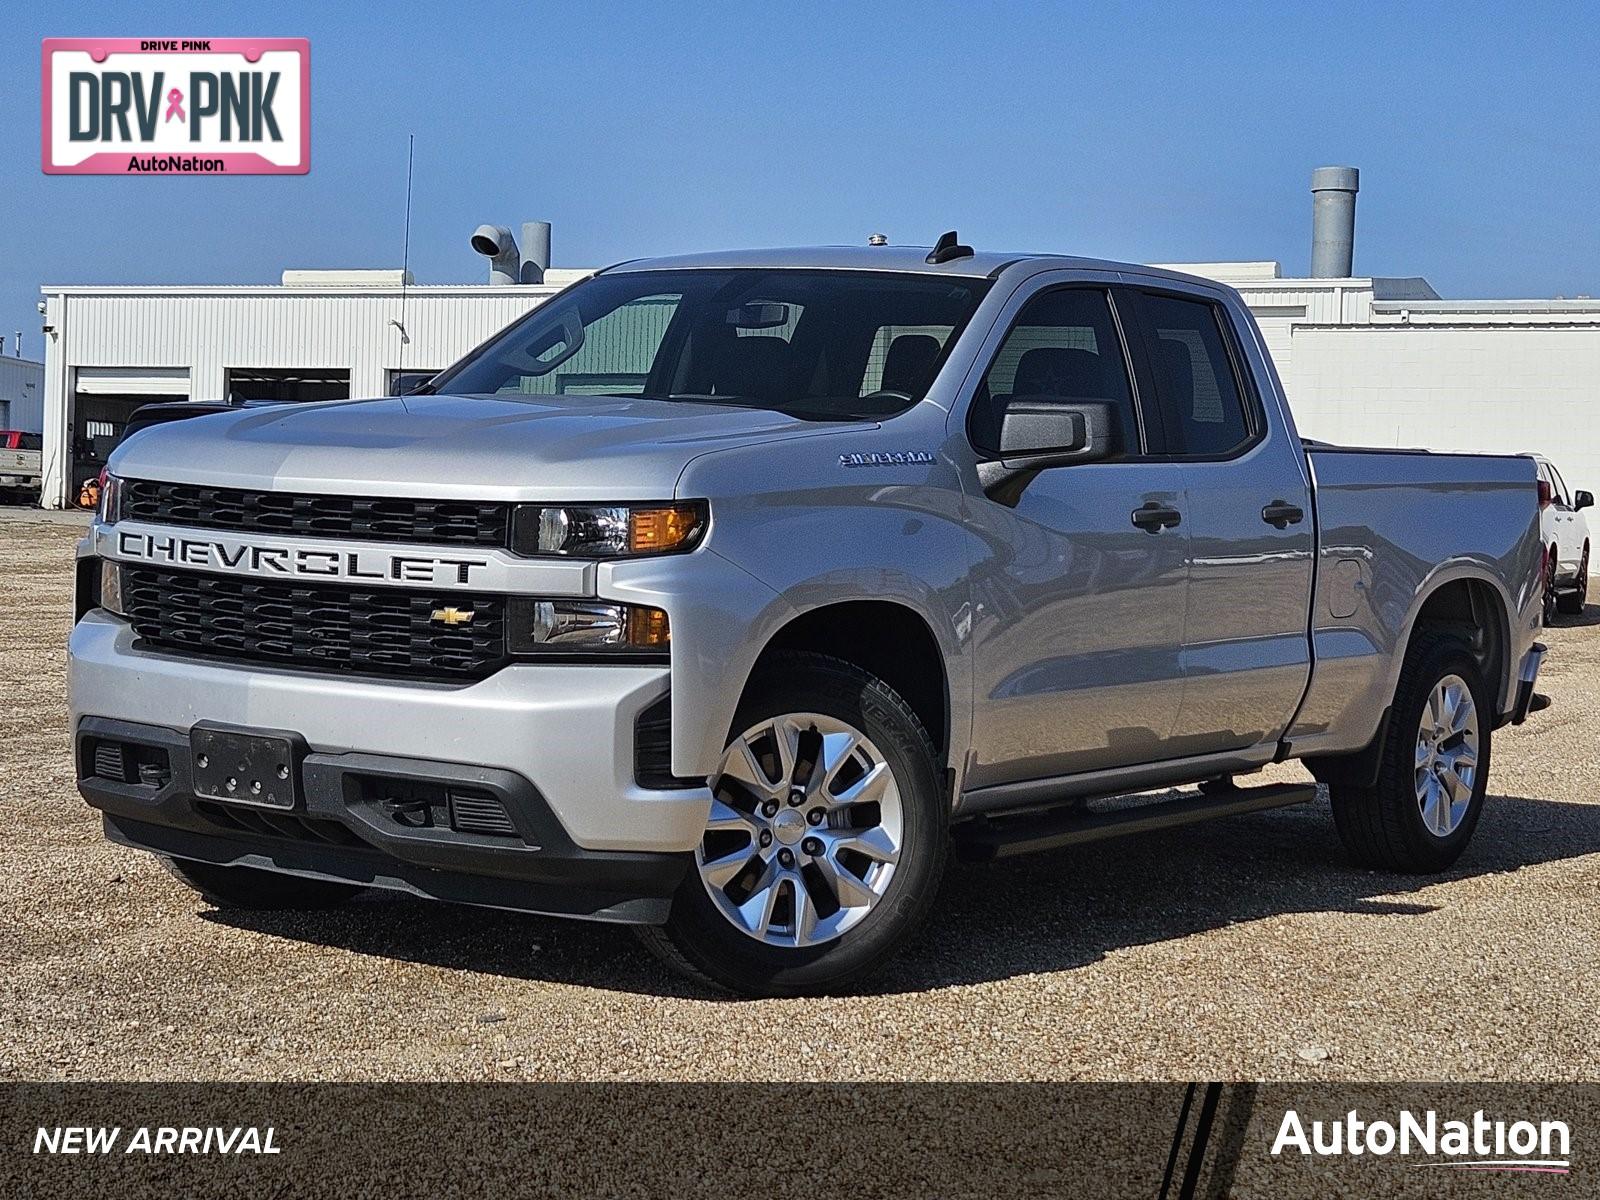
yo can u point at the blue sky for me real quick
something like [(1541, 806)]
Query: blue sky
[(1146, 132)]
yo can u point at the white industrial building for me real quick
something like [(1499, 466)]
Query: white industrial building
[(1387, 362), (21, 393), (319, 335), (1364, 360)]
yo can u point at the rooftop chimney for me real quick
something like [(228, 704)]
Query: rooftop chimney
[(1333, 221), (510, 263)]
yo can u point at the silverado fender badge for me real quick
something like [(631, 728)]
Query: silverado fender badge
[(891, 458)]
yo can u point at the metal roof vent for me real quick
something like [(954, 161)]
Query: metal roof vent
[(1333, 221)]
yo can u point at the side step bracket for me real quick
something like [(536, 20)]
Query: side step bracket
[(988, 838)]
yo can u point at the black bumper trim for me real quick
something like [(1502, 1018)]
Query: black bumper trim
[(541, 870)]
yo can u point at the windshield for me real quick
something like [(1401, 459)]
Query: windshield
[(826, 345)]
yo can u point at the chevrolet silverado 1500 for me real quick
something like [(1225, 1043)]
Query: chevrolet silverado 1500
[(722, 595)]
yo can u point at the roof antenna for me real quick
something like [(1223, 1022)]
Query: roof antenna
[(947, 248)]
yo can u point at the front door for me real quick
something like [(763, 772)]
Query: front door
[(1077, 609)]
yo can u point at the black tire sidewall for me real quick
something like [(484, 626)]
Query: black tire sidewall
[(733, 959)]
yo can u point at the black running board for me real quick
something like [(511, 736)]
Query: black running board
[(989, 838)]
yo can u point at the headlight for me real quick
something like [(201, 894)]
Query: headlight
[(608, 530), (111, 586), (109, 510), (582, 626)]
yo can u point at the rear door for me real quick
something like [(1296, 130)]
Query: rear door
[(1246, 651)]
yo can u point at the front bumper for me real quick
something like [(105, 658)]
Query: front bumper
[(373, 820), (568, 729)]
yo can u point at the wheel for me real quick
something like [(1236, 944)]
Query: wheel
[(825, 842), (1551, 596), (1434, 769), (1572, 602), (246, 887)]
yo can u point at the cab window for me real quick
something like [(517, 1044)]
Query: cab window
[(1203, 412), (1063, 345)]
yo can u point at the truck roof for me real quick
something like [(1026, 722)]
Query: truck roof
[(980, 264)]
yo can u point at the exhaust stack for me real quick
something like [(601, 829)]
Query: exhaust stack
[(510, 263), (1333, 221)]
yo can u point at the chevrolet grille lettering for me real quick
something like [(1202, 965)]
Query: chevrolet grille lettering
[(237, 556)]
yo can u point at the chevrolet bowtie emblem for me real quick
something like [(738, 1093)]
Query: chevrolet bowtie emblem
[(453, 616)]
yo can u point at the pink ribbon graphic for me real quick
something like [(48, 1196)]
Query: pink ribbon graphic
[(174, 106)]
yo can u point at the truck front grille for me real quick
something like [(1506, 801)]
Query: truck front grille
[(369, 518), (326, 628)]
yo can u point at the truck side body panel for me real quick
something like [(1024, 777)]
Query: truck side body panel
[(1396, 526)]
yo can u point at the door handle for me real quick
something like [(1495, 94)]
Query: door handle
[(1281, 514), (1155, 517)]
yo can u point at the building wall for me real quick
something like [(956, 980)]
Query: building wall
[(1489, 388), (22, 392), (206, 331)]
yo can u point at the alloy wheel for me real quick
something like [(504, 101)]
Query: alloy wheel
[(1447, 756), (804, 832)]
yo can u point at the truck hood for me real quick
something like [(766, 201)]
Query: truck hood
[(469, 447)]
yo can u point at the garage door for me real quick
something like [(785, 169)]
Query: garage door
[(133, 381)]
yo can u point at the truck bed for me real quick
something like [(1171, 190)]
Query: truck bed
[(1394, 523)]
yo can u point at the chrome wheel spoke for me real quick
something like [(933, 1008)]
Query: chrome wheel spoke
[(756, 912), (741, 766), (787, 737), (837, 750), (726, 818), (1458, 778), (875, 843), (719, 872), (850, 891), (870, 787), (806, 919)]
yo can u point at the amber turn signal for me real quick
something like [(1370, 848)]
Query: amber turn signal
[(654, 530)]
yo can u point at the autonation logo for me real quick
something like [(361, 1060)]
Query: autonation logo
[(1477, 1144)]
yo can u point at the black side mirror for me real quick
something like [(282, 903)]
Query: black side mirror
[(1582, 500), (1037, 432)]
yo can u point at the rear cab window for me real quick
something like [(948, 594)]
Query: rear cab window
[(1204, 413)]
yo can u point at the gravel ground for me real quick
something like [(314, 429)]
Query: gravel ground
[(1244, 949)]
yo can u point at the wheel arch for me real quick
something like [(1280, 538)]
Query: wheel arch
[(1461, 597), (885, 638)]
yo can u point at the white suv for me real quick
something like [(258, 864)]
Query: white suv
[(1566, 536)]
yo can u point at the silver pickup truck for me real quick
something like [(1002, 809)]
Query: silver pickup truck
[(21, 464), (723, 595)]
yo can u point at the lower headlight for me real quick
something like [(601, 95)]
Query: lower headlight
[(585, 626), (111, 587)]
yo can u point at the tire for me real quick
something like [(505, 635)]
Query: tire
[(701, 938), (1572, 602), (247, 887), (1386, 827)]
